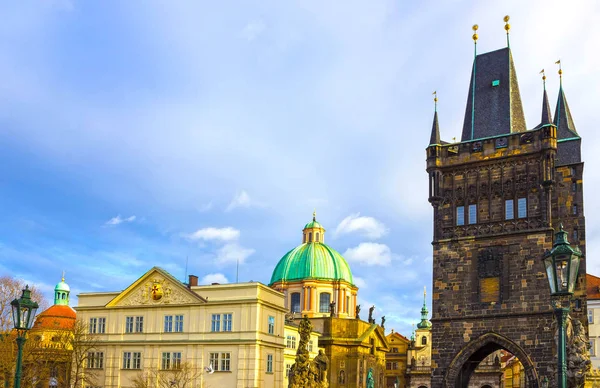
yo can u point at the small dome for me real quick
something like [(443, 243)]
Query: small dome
[(312, 261), (57, 317), (62, 286), (313, 224)]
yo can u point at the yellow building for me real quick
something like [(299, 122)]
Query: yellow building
[(292, 338), (396, 360), (229, 335), (419, 352)]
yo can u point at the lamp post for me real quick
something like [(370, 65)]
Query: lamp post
[(23, 312), (562, 268)]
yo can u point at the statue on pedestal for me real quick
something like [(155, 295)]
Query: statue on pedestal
[(305, 373), (357, 311)]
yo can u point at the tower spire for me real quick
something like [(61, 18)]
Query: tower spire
[(565, 128), (424, 324), (546, 116), (435, 129), (507, 28)]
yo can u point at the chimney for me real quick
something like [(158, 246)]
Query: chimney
[(193, 281)]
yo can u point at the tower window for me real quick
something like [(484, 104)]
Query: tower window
[(509, 211), (303, 238), (324, 301), (575, 209), (574, 187), (310, 237), (472, 214), (460, 215), (522, 207), (317, 237), (575, 235), (423, 340), (573, 171), (295, 302)]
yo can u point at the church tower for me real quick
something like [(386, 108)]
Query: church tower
[(497, 196)]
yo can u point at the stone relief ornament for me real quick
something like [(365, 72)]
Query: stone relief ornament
[(156, 291)]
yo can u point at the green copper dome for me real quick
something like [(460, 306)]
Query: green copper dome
[(312, 261), (313, 224)]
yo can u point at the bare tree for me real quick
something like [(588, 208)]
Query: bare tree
[(183, 377), (10, 289)]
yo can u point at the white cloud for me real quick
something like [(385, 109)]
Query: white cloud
[(253, 30), (214, 278), (370, 254), (232, 253), (367, 226), (211, 234), (118, 220), (360, 282), (242, 199)]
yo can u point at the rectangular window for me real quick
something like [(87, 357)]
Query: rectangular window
[(324, 302), (101, 325), (225, 361), (214, 361), (269, 363), (93, 325), (216, 322), (166, 361), (573, 171), (592, 347), (590, 315), (128, 324), (310, 346), (95, 360), (288, 367), (126, 360), (291, 342), (137, 361), (460, 215), (347, 304), (509, 211), (168, 323), (575, 235), (522, 207), (226, 322), (472, 214), (179, 323), (139, 324), (271, 325), (176, 357), (574, 187), (574, 210)]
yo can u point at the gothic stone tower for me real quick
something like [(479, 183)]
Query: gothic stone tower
[(497, 196)]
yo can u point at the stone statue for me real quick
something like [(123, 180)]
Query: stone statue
[(322, 363), (383, 321), (357, 311), (578, 357), (371, 320), (332, 309), (305, 373)]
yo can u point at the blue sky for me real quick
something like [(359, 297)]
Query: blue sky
[(139, 133)]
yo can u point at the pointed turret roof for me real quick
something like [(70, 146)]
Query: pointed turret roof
[(494, 104), (435, 131), (424, 324), (562, 117)]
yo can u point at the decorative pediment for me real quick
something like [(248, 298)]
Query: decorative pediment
[(156, 287)]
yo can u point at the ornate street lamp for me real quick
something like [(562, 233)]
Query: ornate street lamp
[(562, 268), (23, 312)]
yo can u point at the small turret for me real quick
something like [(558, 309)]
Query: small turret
[(546, 115), (435, 129), (424, 324), (562, 115), (61, 292)]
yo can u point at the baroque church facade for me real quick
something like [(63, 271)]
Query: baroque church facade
[(497, 196)]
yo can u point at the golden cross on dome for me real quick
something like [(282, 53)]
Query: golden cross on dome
[(315, 215), (63, 276)]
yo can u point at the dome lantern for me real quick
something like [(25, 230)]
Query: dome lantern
[(61, 292), (313, 231)]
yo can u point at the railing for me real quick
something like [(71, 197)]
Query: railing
[(418, 369)]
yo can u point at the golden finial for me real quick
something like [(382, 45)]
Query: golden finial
[(63, 276), (454, 139), (543, 73), (435, 100), (559, 68), (424, 291), (475, 36), (315, 215), (506, 26)]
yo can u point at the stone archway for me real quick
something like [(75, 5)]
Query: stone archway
[(464, 363)]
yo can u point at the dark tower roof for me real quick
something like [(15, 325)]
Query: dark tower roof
[(562, 118), (435, 131), (494, 104), (546, 115)]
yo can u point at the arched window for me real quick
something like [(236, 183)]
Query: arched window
[(342, 379), (324, 300), (423, 340), (64, 295), (317, 237), (303, 238), (310, 237), (295, 302)]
